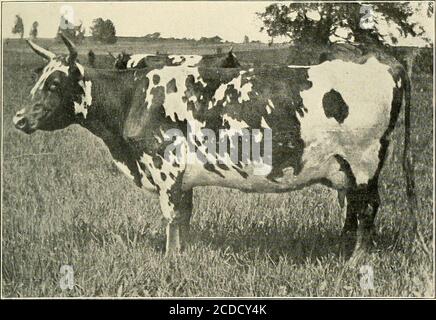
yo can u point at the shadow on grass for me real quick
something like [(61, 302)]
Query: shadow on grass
[(309, 243)]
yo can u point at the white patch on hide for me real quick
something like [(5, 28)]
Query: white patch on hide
[(174, 104), (165, 183), (269, 106), (188, 60), (299, 67), (369, 114), (86, 102), (244, 89), (264, 124), (235, 124), (136, 58), (124, 169), (399, 83)]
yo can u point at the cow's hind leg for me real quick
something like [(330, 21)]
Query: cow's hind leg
[(349, 230), (177, 209), (342, 179), (361, 208), (366, 217), (363, 203)]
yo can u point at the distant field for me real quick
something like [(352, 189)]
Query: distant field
[(140, 46), (65, 203)]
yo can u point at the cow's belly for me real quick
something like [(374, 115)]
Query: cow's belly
[(360, 150), (196, 175)]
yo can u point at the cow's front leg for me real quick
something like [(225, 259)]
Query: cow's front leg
[(176, 207)]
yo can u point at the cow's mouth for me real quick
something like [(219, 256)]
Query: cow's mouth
[(23, 125), (29, 125)]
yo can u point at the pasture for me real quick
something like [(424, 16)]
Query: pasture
[(65, 203)]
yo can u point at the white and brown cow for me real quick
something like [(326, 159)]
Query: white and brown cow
[(328, 123)]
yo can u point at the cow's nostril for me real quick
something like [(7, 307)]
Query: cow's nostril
[(21, 123)]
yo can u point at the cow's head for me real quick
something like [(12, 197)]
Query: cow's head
[(120, 62), (60, 96), (230, 61)]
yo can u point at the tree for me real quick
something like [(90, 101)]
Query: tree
[(18, 26), (34, 31), (103, 31), (317, 22), (246, 39)]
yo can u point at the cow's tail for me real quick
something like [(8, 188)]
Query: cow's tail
[(408, 165)]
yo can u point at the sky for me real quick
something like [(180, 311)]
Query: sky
[(231, 20)]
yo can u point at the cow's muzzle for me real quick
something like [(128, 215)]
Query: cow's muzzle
[(21, 122)]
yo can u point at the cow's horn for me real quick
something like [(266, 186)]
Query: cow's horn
[(111, 55), (41, 51), (231, 52), (71, 48)]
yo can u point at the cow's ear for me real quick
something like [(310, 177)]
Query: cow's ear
[(75, 72)]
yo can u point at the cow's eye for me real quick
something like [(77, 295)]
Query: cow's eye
[(54, 85)]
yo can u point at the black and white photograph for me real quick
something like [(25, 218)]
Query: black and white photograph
[(217, 149)]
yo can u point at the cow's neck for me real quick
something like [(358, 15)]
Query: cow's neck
[(111, 92), (111, 97)]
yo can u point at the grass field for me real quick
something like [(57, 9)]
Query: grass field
[(65, 203)]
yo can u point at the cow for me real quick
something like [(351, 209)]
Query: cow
[(126, 60), (138, 61), (328, 123)]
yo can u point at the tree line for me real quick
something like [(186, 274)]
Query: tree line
[(101, 30)]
